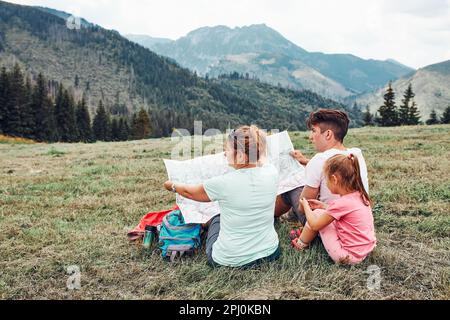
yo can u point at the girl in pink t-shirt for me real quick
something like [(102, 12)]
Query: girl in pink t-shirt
[(346, 225)]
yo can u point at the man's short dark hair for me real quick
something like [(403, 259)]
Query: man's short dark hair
[(328, 119)]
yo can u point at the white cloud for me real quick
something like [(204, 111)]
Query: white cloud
[(414, 32)]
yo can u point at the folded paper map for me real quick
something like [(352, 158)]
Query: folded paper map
[(198, 170)]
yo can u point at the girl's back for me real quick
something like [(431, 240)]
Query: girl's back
[(354, 224)]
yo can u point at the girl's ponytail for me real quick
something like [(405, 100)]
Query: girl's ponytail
[(358, 180), (347, 168)]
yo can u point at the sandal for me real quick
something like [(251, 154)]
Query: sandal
[(299, 245), (295, 234)]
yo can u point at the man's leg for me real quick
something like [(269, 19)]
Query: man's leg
[(281, 207), (290, 200)]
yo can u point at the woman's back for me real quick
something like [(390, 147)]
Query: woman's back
[(247, 201)]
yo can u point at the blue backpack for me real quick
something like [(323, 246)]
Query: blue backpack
[(177, 238)]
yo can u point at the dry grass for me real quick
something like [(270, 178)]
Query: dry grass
[(14, 140), (64, 204)]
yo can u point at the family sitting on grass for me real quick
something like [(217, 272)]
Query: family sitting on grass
[(334, 203)]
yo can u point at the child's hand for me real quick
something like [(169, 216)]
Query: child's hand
[(305, 204), (168, 185), (316, 204)]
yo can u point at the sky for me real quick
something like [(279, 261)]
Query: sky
[(413, 32)]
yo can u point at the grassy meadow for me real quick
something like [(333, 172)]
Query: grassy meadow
[(72, 204)]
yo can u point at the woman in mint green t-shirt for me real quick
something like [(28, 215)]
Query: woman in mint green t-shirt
[(243, 235)]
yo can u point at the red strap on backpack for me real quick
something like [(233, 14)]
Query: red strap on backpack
[(153, 219)]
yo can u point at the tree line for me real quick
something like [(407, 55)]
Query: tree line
[(29, 110), (173, 96), (389, 114)]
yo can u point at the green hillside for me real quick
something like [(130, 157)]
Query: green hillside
[(116, 70), (262, 51), (282, 107)]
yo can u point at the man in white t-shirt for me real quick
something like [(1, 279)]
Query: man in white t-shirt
[(328, 131)]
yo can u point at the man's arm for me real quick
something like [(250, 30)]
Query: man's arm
[(297, 155)]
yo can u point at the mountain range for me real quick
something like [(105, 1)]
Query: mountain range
[(262, 52), (103, 65), (430, 84)]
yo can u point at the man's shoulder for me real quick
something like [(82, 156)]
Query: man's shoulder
[(318, 160), (324, 156), (332, 152), (355, 150)]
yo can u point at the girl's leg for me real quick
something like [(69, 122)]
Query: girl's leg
[(332, 244), (308, 235)]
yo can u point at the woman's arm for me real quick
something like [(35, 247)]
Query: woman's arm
[(193, 192), (316, 222)]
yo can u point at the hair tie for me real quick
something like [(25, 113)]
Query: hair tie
[(351, 156)]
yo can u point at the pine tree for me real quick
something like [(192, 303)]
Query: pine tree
[(405, 112), (115, 133), (65, 116), (124, 130), (414, 114), (73, 118), (14, 103), (58, 108), (4, 84), (141, 125), (43, 114), (388, 111), (101, 126), (433, 118), (84, 122), (27, 116), (446, 116), (134, 124), (368, 117)]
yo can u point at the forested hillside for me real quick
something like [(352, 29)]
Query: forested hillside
[(101, 65)]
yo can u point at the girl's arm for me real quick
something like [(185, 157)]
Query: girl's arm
[(316, 222), (316, 204), (192, 192)]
